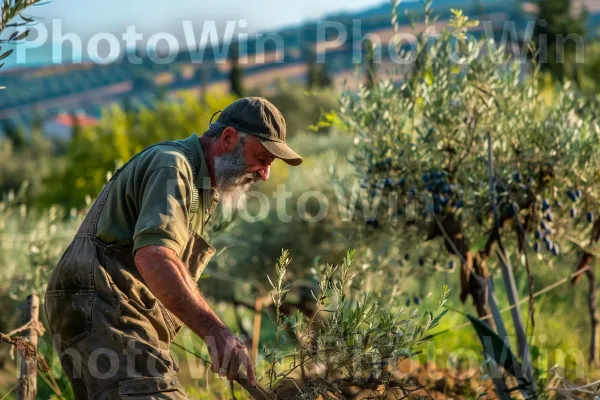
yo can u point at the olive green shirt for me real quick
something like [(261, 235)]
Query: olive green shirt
[(155, 199)]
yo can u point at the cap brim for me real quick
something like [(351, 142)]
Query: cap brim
[(283, 151)]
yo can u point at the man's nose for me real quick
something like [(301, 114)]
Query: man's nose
[(264, 172)]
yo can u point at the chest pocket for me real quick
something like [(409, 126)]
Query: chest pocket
[(197, 252), (196, 255)]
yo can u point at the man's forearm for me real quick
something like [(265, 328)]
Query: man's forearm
[(168, 279)]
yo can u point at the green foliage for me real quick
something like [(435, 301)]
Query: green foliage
[(303, 110), (496, 349), (14, 134), (32, 242), (28, 164), (280, 290), (459, 24), (236, 86), (423, 155), (97, 151), (466, 134), (317, 76), (12, 17), (558, 33), (358, 343), (426, 137), (588, 74)]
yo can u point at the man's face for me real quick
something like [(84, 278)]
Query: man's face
[(242, 164)]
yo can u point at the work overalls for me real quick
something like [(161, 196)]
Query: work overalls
[(111, 333)]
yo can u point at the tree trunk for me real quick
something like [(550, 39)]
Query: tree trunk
[(474, 274), (27, 390), (586, 261), (594, 356)]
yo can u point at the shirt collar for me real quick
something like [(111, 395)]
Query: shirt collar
[(203, 180)]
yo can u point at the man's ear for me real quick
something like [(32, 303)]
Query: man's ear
[(229, 139)]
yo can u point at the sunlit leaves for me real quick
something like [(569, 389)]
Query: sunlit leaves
[(356, 338), (438, 120), (31, 242), (11, 15), (119, 136)]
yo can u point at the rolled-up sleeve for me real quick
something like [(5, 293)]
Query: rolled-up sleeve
[(163, 203)]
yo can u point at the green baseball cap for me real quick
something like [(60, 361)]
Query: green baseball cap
[(258, 117)]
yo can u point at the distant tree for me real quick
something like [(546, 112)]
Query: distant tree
[(325, 79), (589, 78), (312, 71), (203, 76), (14, 134), (161, 93), (75, 125), (478, 7), (370, 66), (142, 80), (127, 105), (235, 73), (37, 124), (557, 35), (317, 74)]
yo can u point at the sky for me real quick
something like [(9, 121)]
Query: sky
[(86, 18)]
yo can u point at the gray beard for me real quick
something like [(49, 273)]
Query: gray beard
[(232, 180)]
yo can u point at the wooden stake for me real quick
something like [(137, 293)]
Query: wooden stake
[(27, 389), (256, 329)]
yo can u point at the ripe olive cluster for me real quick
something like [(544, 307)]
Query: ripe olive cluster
[(545, 230)]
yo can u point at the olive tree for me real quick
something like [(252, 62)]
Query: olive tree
[(468, 153)]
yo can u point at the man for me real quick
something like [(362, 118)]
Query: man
[(127, 283)]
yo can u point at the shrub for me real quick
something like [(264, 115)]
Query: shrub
[(355, 347), (28, 165), (32, 243)]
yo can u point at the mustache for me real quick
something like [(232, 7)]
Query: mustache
[(251, 178)]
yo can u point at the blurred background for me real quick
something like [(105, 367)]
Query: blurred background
[(59, 81), (95, 82)]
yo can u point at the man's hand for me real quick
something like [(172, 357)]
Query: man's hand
[(169, 280), (228, 354)]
